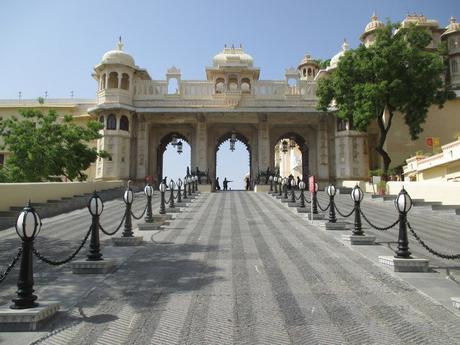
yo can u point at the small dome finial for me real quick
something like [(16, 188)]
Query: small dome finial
[(374, 16), (345, 45), (119, 44), (453, 20)]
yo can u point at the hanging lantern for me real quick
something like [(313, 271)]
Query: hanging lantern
[(179, 147), (284, 146), (233, 138), (292, 143), (174, 140), (232, 145)]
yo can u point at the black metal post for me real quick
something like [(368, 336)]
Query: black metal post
[(285, 191), (190, 188), (403, 241), (332, 218), (26, 298), (128, 227), (276, 187), (271, 185), (162, 203), (314, 202), (358, 228), (280, 189), (185, 191), (149, 217), (292, 194), (94, 252), (179, 197), (171, 201), (302, 200)]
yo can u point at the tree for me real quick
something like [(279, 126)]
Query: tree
[(41, 147), (395, 74)]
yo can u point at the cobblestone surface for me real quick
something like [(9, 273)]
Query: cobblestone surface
[(236, 268)]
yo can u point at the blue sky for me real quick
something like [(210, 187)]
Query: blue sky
[(52, 45)]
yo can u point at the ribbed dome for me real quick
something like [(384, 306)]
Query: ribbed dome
[(373, 24), (452, 27), (118, 56), (233, 57), (335, 59)]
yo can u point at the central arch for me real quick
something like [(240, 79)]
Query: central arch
[(304, 150), (239, 137), (165, 140)]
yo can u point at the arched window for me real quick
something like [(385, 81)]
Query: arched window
[(454, 66), (101, 119), (304, 72), (113, 80), (233, 84), (310, 72), (124, 123), (173, 86), (125, 81), (103, 81), (111, 122), (245, 85), (220, 85)]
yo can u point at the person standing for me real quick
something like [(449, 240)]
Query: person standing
[(225, 183), (217, 184)]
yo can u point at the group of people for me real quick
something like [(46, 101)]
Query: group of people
[(225, 183)]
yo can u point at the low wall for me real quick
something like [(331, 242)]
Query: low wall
[(17, 194), (205, 188), (446, 192)]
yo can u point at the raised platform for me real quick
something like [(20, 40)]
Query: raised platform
[(315, 216), (337, 226), (262, 188), (127, 241), (405, 265), (359, 240), (455, 302), (173, 210), (93, 267), (32, 319), (150, 226)]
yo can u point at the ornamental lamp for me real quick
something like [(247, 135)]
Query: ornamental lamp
[(293, 183), (233, 137), (292, 143), (284, 146), (28, 223), (179, 147), (179, 183), (95, 205), (148, 190), (316, 187), (302, 185), (331, 190), (403, 201), (172, 184), (174, 140), (128, 196), (162, 187), (270, 178), (284, 181), (357, 194)]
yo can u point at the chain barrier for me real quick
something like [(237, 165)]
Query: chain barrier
[(169, 199), (298, 198), (177, 195), (343, 215), (322, 209), (384, 228), (431, 250), (306, 200), (116, 230), (142, 215), (10, 266), (62, 262)]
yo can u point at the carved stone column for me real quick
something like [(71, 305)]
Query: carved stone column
[(201, 144), (263, 144)]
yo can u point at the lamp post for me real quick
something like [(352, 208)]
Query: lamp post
[(95, 207), (128, 198), (357, 195), (271, 183), (28, 225), (172, 184), (293, 185), (189, 182), (302, 188), (148, 191), (179, 185), (162, 198), (331, 191), (285, 183), (185, 187), (403, 204), (280, 186), (275, 180), (314, 199), (196, 183)]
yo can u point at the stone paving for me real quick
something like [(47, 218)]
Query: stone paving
[(233, 268)]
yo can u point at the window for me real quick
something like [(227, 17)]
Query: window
[(113, 80), (220, 86), (103, 81), (310, 72), (341, 125), (125, 81), (101, 119), (304, 72), (124, 123), (173, 86), (246, 85), (111, 122), (454, 66)]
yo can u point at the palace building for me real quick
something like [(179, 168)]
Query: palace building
[(277, 120)]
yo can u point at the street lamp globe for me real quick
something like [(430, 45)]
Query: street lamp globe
[(179, 183), (148, 190), (128, 196), (270, 178), (162, 187), (179, 147), (302, 185), (28, 223), (172, 184), (357, 194), (293, 183), (284, 181), (331, 190), (403, 201), (95, 205)]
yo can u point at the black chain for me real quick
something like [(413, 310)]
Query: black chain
[(10, 266), (169, 199), (345, 216), (305, 199), (62, 262), (177, 194), (323, 209), (142, 215), (298, 198), (432, 251), (116, 230), (377, 227)]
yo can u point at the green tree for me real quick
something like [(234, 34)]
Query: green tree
[(42, 146), (396, 74)]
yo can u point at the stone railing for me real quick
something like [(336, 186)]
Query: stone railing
[(114, 96)]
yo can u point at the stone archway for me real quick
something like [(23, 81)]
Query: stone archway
[(240, 137), (301, 142), (161, 148)]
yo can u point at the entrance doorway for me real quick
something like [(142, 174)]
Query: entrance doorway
[(291, 156), (173, 158)]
